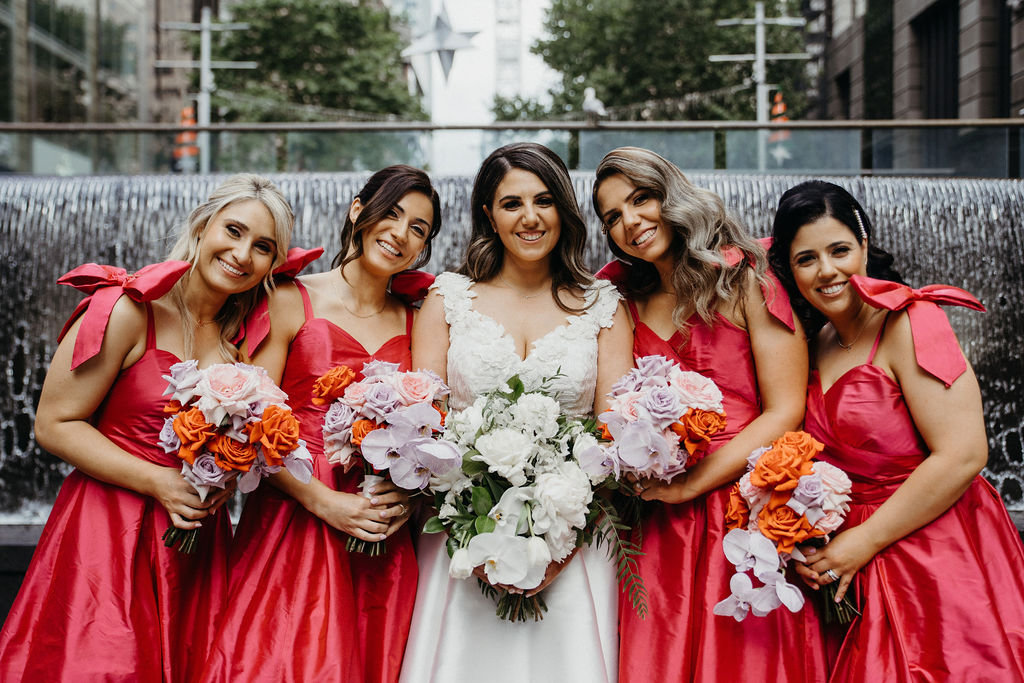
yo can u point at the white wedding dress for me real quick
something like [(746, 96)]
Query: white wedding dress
[(455, 633)]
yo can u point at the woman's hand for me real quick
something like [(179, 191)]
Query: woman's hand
[(368, 519), (676, 491), (181, 500), (553, 570), (844, 555)]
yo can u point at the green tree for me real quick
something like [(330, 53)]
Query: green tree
[(319, 60), (648, 59)]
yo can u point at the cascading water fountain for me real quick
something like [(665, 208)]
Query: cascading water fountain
[(967, 233)]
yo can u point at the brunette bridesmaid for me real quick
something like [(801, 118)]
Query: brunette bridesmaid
[(699, 294), (303, 608), (927, 548)]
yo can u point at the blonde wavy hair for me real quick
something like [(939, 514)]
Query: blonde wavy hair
[(702, 231), (229, 319)]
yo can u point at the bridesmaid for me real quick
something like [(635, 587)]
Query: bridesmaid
[(928, 548), (698, 293), (301, 607), (103, 598)]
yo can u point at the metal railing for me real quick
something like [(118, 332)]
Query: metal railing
[(945, 147)]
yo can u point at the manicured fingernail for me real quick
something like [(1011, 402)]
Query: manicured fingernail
[(372, 489), (373, 501)]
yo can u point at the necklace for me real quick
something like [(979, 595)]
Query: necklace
[(864, 325), (521, 295), (341, 300)]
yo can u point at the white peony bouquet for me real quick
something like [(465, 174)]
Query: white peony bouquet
[(520, 501)]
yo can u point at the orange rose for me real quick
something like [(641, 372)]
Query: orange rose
[(278, 433), (232, 455), (173, 407), (779, 523), (737, 514), (605, 435), (442, 413), (361, 428), (695, 430), (194, 431), (331, 385), (789, 458)]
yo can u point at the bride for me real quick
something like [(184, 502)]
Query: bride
[(522, 303)]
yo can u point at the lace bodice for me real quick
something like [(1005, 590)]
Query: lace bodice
[(482, 355)]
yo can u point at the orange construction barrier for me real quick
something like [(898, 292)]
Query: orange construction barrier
[(778, 113), (185, 141)]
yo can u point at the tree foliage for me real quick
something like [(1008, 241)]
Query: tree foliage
[(318, 60), (648, 59)]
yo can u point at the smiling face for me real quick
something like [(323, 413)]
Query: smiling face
[(823, 256), (631, 215), (524, 215), (237, 248), (394, 243)]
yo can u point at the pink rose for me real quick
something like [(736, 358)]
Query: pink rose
[(269, 392), (227, 389), (696, 390), (830, 521), (415, 387), (627, 405), (355, 394), (754, 495)]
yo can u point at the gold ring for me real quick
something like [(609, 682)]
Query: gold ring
[(404, 509)]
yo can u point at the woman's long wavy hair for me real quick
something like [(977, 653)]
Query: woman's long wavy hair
[(485, 253), (379, 195), (806, 203), (229, 318), (702, 231)]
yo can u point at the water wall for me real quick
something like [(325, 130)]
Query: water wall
[(969, 233)]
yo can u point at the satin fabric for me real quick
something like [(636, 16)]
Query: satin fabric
[(301, 607), (103, 598), (684, 566), (946, 602)]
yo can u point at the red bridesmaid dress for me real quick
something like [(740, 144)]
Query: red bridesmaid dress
[(301, 607), (684, 566), (103, 598), (946, 602)]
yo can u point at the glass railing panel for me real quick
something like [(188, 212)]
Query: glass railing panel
[(793, 151), (689, 150), (953, 151)]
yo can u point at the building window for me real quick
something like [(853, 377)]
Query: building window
[(937, 32)]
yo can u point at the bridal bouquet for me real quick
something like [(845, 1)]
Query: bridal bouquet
[(228, 421), (785, 499), (520, 500), (660, 421), (391, 419)]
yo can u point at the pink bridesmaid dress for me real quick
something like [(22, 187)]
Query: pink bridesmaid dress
[(684, 567), (302, 608), (103, 598), (946, 602)]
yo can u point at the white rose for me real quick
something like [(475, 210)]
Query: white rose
[(507, 453), (460, 566), (537, 413), (561, 499), (464, 424), (453, 481)]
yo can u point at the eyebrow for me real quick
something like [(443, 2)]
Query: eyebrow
[(240, 223), (516, 196), (829, 246)]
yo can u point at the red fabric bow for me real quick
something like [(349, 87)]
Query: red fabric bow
[(297, 260), (935, 344), (256, 325), (105, 285), (411, 286)]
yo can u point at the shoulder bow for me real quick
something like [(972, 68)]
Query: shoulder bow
[(256, 325), (935, 344), (105, 285), (410, 286)]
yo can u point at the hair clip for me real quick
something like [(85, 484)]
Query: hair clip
[(860, 224)]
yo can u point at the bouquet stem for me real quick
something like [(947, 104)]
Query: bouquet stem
[(515, 606), (841, 612), (184, 539), (355, 545)]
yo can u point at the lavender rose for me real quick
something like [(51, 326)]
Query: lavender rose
[(662, 404), (168, 437), (380, 400), (339, 418), (655, 368)]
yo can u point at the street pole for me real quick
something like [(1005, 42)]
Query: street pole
[(760, 59), (206, 65)]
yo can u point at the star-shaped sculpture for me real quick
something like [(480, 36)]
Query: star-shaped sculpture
[(442, 40), (780, 154)]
